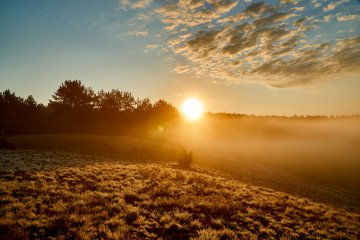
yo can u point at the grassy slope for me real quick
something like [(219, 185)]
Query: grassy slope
[(65, 195), (286, 171)]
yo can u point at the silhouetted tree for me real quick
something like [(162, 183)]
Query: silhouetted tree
[(19, 115), (116, 101), (143, 105), (75, 108), (72, 107), (115, 110), (73, 95), (164, 112), (36, 115), (164, 108), (10, 106)]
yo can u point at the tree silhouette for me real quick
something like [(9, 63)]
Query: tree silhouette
[(164, 112), (116, 101), (143, 105), (75, 108), (19, 115), (72, 107), (165, 108), (73, 95)]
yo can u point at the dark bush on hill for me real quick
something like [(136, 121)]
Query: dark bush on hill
[(186, 158), (5, 144)]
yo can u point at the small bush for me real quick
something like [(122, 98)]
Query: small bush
[(186, 158), (5, 144)]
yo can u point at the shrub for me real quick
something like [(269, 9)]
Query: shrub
[(5, 144), (186, 158)]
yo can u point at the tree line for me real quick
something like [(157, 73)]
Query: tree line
[(75, 108)]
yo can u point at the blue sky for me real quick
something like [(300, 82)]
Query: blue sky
[(256, 57)]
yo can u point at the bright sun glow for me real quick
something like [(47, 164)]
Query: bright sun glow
[(192, 108)]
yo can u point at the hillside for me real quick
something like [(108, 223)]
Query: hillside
[(59, 195), (298, 158)]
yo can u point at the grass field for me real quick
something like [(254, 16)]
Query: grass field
[(268, 179), (316, 159), (58, 195)]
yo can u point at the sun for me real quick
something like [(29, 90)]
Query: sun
[(192, 109)]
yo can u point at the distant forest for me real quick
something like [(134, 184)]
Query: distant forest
[(75, 108)]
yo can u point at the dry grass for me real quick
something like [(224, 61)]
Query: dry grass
[(52, 195), (322, 166)]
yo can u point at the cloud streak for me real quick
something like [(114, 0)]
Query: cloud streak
[(138, 33), (349, 17), (137, 4), (273, 44), (334, 5)]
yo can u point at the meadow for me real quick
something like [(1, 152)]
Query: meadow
[(252, 178)]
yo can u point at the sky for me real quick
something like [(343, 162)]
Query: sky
[(269, 57)]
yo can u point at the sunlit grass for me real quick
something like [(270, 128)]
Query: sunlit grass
[(319, 164), (62, 195)]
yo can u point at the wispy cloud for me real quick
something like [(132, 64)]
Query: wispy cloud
[(142, 16), (180, 68), (327, 18), (138, 33), (151, 46), (316, 3), (238, 41), (349, 17), (289, 1), (137, 4), (298, 9), (334, 4)]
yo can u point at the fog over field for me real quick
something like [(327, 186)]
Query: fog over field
[(250, 178), (310, 157), (316, 158)]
